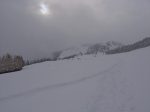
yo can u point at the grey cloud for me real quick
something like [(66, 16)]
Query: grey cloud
[(23, 31)]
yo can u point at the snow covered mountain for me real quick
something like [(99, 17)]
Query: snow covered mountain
[(127, 48), (88, 49), (105, 83), (73, 51), (109, 47)]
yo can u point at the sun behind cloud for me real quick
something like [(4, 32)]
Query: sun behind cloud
[(44, 9)]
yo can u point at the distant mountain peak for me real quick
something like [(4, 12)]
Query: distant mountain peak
[(89, 49)]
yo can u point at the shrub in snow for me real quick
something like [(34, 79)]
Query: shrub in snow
[(9, 63)]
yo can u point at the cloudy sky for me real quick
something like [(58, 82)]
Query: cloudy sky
[(35, 28)]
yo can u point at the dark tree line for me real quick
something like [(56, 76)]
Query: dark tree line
[(10, 63), (54, 57), (127, 48), (37, 61), (94, 49)]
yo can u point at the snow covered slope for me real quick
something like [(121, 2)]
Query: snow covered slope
[(74, 51), (106, 83), (89, 49)]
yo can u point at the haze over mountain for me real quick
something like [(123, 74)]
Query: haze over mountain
[(74, 55), (24, 31)]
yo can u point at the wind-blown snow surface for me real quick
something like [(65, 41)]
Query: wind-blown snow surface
[(106, 83)]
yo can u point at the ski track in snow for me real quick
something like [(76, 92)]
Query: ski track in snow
[(55, 86), (112, 94)]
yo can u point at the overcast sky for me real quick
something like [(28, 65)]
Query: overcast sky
[(25, 30)]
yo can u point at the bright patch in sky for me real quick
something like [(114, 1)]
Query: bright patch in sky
[(44, 9)]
